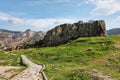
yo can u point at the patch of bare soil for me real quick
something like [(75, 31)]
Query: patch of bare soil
[(98, 75), (7, 72), (1, 61), (117, 45)]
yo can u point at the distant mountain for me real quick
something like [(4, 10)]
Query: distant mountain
[(3, 30), (114, 31), (17, 39)]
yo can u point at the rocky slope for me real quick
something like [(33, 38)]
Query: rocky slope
[(33, 41), (63, 33), (15, 40), (114, 31)]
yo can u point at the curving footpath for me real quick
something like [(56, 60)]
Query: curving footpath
[(33, 72)]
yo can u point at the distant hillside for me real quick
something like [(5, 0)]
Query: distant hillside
[(15, 39), (114, 31)]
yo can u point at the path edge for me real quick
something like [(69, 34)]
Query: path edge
[(23, 62)]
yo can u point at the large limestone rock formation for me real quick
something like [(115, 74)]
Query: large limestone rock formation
[(63, 33)]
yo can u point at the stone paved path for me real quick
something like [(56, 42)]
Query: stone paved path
[(33, 72)]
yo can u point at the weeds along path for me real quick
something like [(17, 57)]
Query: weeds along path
[(33, 72)]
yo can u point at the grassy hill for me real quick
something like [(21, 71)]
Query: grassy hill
[(72, 60)]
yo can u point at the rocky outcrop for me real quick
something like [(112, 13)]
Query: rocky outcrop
[(37, 38), (10, 40), (63, 33)]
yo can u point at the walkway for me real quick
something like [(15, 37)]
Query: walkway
[(33, 72)]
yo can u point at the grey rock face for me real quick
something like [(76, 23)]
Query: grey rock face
[(33, 41), (63, 33)]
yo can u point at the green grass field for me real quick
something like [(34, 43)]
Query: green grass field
[(69, 61)]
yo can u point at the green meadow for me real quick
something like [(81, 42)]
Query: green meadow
[(72, 60)]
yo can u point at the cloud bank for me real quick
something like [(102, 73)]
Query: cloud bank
[(10, 19), (38, 24), (118, 18), (105, 7)]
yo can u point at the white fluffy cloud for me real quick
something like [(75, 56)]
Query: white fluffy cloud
[(61, 1), (44, 2), (113, 23), (3, 18), (47, 23), (16, 21), (10, 19), (105, 7), (36, 24), (39, 22), (118, 18)]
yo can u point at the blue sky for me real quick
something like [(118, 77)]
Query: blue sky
[(42, 15)]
